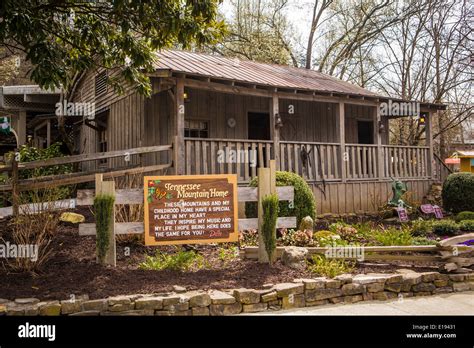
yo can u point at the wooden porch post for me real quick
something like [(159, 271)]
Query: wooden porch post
[(429, 142), (341, 126), (21, 131), (275, 128), (378, 142), (178, 145)]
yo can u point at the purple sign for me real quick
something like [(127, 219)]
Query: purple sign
[(402, 214), (438, 212), (427, 209)]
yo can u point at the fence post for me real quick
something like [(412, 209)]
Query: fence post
[(15, 191), (108, 188), (266, 186)]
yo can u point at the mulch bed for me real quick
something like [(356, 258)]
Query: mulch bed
[(72, 269)]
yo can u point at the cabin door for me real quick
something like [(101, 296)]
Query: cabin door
[(365, 133), (259, 126)]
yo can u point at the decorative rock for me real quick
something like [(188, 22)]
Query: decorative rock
[(73, 218), (70, 306), (368, 296), (293, 301), (274, 305), (183, 313), (198, 299), (394, 287), (285, 289), (294, 257), (154, 303), (405, 271), (457, 277), (394, 278), (353, 299), (352, 289), (375, 287), (255, 307), (24, 301), (316, 303), (122, 307), (461, 287), (15, 311), (422, 293), (173, 300), (411, 279), (135, 313), (179, 289), (3, 309), (49, 308), (344, 278), (335, 300), (311, 284), (443, 290), (333, 284), (322, 294), (200, 311), (95, 305), (272, 296), (221, 298), (439, 283), (119, 300), (85, 314), (306, 224), (32, 310), (423, 287), (429, 276), (225, 309), (384, 296), (178, 307), (3, 300), (369, 278), (247, 296), (267, 286)]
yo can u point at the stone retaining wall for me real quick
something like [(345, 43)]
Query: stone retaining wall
[(300, 293)]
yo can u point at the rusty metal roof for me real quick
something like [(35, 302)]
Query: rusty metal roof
[(245, 71)]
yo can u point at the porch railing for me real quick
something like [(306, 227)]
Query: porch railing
[(314, 161)]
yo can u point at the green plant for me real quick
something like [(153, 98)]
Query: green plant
[(103, 208), (393, 236), (327, 238), (445, 227), (227, 255), (346, 231), (270, 216), (331, 268), (421, 227), (248, 237), (466, 225), (303, 204), (464, 215), (458, 192), (297, 238), (180, 261), (423, 241)]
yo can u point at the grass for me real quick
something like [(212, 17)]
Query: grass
[(328, 267), (180, 261)]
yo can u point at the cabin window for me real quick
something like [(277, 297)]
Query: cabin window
[(196, 129), (101, 83), (365, 132), (102, 119)]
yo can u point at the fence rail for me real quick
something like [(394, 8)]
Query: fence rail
[(406, 161)]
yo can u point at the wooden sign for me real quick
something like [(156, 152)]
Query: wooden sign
[(438, 212), (190, 209), (402, 214)]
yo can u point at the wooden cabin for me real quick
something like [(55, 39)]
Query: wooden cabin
[(329, 131)]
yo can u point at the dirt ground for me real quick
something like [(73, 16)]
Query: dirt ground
[(72, 269)]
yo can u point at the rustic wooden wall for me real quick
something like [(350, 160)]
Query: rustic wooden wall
[(353, 197)]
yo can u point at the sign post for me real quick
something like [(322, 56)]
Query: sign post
[(190, 209)]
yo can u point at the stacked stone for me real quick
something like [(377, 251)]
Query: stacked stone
[(345, 288)]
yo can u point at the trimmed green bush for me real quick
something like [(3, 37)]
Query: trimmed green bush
[(421, 227), (458, 192), (466, 225), (103, 207), (303, 205), (393, 236), (270, 216), (445, 227), (464, 215)]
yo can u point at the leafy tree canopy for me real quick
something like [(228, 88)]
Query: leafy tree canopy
[(63, 38)]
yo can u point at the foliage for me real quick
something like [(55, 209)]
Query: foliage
[(327, 238), (62, 39), (270, 216), (303, 205), (393, 236), (103, 207), (445, 227), (180, 261), (424, 241), (466, 225), (227, 255), (458, 192), (331, 268), (248, 237), (346, 231), (464, 215), (296, 238), (421, 227)]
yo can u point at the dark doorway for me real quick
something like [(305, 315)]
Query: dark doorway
[(365, 132), (259, 126)]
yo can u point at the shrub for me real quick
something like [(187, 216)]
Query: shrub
[(421, 227), (297, 238), (331, 268), (464, 215), (103, 208), (458, 192), (347, 232), (466, 225), (445, 227), (180, 261), (303, 204), (424, 241), (248, 237), (393, 236), (270, 215), (327, 238)]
